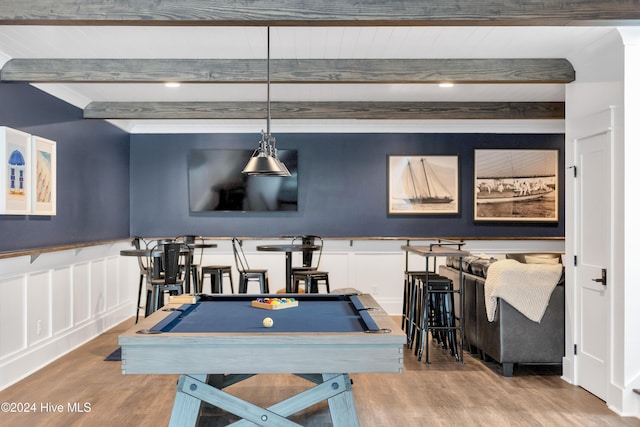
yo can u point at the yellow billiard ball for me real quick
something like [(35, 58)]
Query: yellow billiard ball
[(267, 322)]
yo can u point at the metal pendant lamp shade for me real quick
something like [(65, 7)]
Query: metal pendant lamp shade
[(264, 161)]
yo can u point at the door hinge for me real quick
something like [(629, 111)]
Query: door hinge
[(575, 170), (575, 260), (575, 349)]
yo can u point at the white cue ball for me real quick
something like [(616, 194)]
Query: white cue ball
[(267, 322)]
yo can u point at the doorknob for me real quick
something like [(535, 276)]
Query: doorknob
[(603, 278)]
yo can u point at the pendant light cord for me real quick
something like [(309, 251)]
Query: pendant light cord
[(268, 82)]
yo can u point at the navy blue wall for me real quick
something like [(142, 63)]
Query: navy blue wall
[(92, 173), (342, 182), (342, 186)]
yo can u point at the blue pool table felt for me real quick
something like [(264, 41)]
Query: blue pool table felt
[(236, 315)]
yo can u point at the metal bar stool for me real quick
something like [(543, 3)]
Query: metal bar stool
[(435, 313), (216, 274), (311, 280), (409, 280), (144, 268), (171, 280), (193, 278), (247, 274), (420, 309)]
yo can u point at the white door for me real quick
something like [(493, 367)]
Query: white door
[(593, 236)]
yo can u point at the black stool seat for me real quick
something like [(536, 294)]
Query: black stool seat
[(247, 274), (412, 284), (169, 280), (415, 302), (442, 316), (252, 275), (409, 278), (436, 313), (311, 279), (432, 309), (216, 274), (194, 277)]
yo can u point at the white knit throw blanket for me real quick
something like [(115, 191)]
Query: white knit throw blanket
[(527, 287)]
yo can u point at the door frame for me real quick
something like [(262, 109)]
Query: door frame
[(599, 123)]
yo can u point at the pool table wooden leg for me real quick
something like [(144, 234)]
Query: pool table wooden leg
[(196, 387), (342, 406), (186, 408), (192, 389)]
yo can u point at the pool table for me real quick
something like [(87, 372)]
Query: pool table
[(220, 340)]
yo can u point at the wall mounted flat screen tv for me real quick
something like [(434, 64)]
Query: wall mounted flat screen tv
[(216, 183)]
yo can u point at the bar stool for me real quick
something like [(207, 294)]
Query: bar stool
[(171, 279), (409, 277), (308, 263), (187, 240), (247, 274), (414, 295), (144, 269), (420, 314), (311, 280), (433, 310), (216, 274), (441, 315)]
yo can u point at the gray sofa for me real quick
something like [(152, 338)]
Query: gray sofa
[(512, 338)]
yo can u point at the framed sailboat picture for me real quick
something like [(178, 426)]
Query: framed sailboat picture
[(422, 185), (516, 185)]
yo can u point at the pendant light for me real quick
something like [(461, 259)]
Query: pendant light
[(264, 161)]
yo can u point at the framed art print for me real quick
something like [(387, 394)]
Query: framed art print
[(516, 185), (43, 193), (423, 185), (15, 168)]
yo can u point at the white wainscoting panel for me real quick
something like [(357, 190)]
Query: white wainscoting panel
[(81, 293), (39, 307), (126, 280), (13, 327), (98, 287), (337, 264), (56, 301), (61, 300), (113, 288), (381, 275)]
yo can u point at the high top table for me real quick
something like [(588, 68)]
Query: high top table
[(288, 249), (147, 254), (439, 249)]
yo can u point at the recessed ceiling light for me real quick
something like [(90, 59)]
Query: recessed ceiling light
[(446, 84), (172, 84)]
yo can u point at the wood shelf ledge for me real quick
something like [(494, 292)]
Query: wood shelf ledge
[(36, 252)]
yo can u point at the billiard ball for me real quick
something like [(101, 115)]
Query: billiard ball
[(267, 322)]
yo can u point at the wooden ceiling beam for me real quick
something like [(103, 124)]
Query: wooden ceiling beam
[(491, 70), (336, 12), (327, 110)]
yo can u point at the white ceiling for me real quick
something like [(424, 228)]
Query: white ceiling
[(291, 43)]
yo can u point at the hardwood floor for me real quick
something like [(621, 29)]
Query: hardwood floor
[(443, 393)]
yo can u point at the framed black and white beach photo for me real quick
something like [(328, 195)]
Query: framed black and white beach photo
[(422, 185), (516, 185)]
